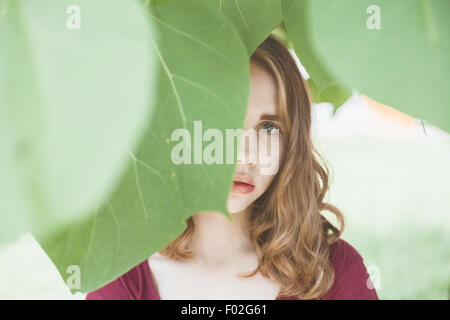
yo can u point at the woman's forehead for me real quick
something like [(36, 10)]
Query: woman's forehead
[(263, 91)]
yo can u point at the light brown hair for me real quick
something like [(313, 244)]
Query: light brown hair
[(291, 236)]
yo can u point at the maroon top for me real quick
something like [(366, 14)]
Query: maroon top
[(351, 280)]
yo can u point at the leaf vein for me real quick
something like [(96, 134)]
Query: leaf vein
[(197, 85), (242, 16), (191, 37)]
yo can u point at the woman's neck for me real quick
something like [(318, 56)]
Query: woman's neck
[(218, 242)]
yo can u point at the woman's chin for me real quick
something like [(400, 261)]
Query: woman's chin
[(235, 207)]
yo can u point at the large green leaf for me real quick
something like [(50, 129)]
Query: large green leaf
[(253, 19), (203, 75), (324, 86), (72, 101), (405, 63)]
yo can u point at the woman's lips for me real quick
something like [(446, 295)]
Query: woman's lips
[(242, 184), (241, 188)]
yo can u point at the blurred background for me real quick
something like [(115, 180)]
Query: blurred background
[(390, 178)]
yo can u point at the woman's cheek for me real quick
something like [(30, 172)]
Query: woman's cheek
[(265, 183), (270, 150)]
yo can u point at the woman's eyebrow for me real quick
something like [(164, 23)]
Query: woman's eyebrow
[(268, 116)]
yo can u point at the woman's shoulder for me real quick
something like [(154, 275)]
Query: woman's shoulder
[(343, 252), (352, 280), (132, 285)]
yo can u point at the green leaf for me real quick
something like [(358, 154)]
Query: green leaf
[(404, 64), (324, 86), (254, 19), (203, 75), (72, 101), (281, 34)]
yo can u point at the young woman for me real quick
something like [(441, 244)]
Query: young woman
[(278, 246)]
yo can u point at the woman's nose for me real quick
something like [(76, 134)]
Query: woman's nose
[(248, 149)]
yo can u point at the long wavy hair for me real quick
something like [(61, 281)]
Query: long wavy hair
[(290, 235)]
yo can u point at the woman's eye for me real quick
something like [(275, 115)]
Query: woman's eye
[(268, 127)]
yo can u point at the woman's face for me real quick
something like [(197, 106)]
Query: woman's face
[(262, 150)]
